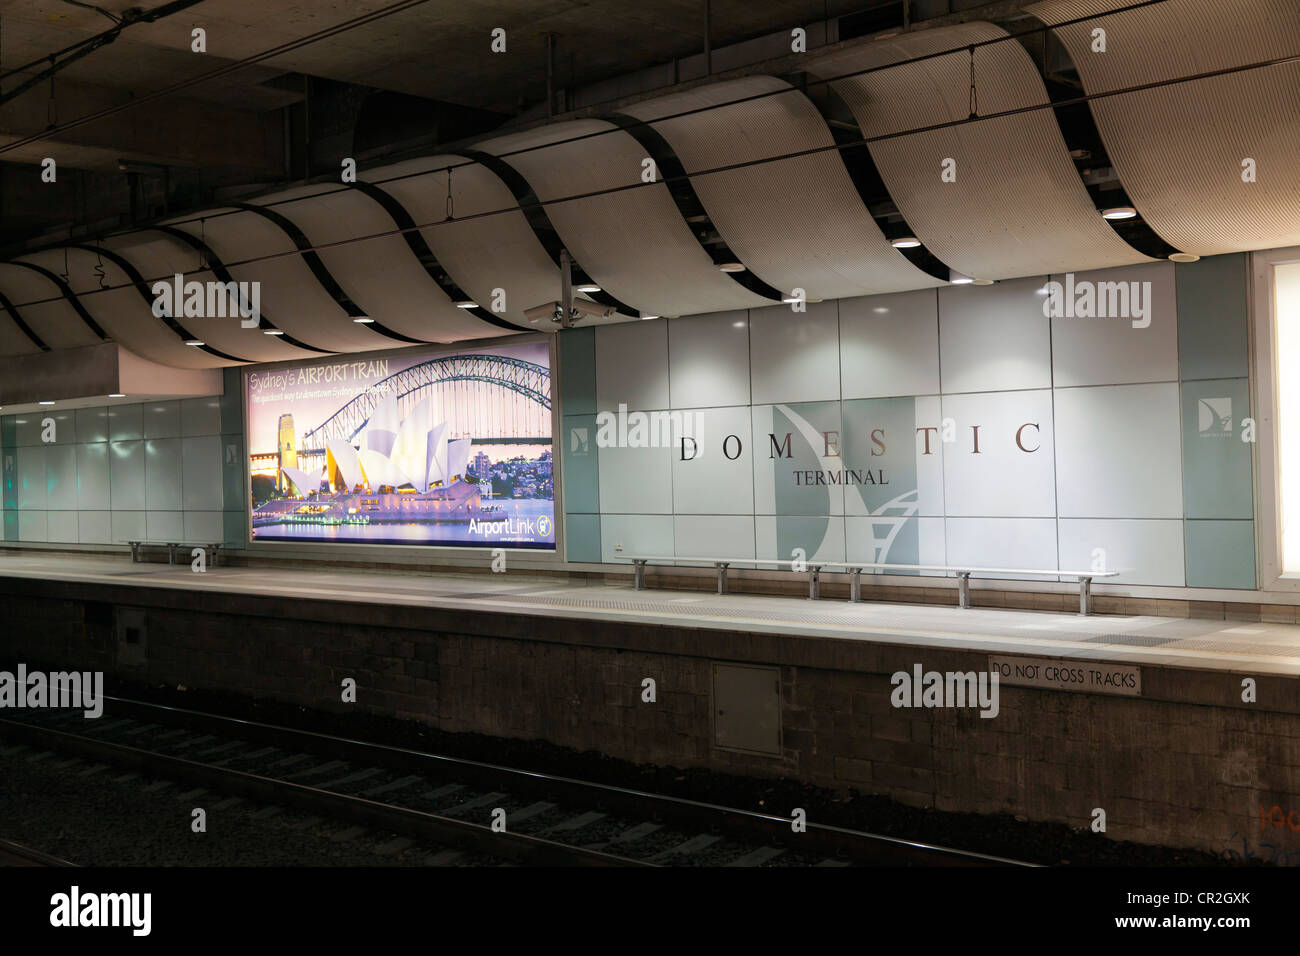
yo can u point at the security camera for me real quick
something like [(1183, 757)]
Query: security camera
[(580, 308), (551, 310), (583, 307)]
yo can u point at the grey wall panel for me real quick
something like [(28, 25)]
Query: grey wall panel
[(708, 360), (994, 337), (632, 366), (200, 416), (1017, 206), (201, 473), (61, 527), (126, 476), (797, 223), (794, 356), (162, 474), (628, 241), (92, 424), (31, 478), (889, 345), (161, 419), (61, 478), (93, 477)]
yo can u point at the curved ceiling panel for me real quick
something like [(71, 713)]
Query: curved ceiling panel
[(482, 254), (57, 322), (291, 295), (633, 242), (382, 275), (13, 340), (1018, 206), (796, 223), (122, 311), (158, 256), (1179, 149)]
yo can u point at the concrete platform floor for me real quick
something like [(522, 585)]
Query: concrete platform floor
[(1161, 641)]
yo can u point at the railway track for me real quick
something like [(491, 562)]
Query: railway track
[(16, 854), (508, 814)]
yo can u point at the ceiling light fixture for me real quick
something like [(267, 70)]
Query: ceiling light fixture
[(1119, 212), (195, 342), (737, 325), (983, 281), (731, 267), (587, 287), (880, 310), (118, 395), (44, 403), (905, 242), (647, 316), (1183, 257), (465, 304), (272, 332), (362, 320), (956, 278)]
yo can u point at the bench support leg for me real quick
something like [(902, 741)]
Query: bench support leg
[(638, 575), (135, 552), (963, 589), (1085, 595), (855, 586), (171, 554), (722, 577), (814, 583)]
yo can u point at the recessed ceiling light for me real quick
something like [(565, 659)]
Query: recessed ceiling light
[(1043, 291), (880, 310), (983, 281), (118, 395), (585, 287), (791, 299), (956, 278), (906, 242), (465, 304), (731, 267), (362, 320), (194, 342), (1183, 257), (1119, 212), (273, 332), (44, 403), (647, 316), (737, 325)]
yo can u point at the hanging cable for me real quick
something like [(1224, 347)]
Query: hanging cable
[(974, 96)]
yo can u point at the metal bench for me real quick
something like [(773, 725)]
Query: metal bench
[(854, 569), (209, 549)]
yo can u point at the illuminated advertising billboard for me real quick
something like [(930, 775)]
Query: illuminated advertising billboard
[(416, 448)]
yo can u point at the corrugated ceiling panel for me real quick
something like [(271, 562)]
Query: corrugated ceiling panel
[(1179, 149), (1017, 207), (157, 256), (633, 242), (483, 254), (382, 276), (57, 323), (291, 296), (121, 311), (796, 223)]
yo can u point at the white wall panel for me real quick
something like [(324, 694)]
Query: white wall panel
[(94, 527), (1001, 480), (1111, 350), (1118, 452), (161, 419), (32, 526), (200, 416), (714, 536), (204, 526), (128, 526), (889, 345), (822, 538), (632, 366), (31, 479), (794, 356), (165, 526), (636, 480), (636, 534), (61, 527), (1003, 543), (993, 338), (711, 483), (708, 360), (1145, 552)]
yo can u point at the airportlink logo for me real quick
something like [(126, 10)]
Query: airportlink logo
[(1085, 299), (947, 689), (208, 300), (58, 689)]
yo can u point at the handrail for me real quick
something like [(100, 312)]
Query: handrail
[(814, 569)]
